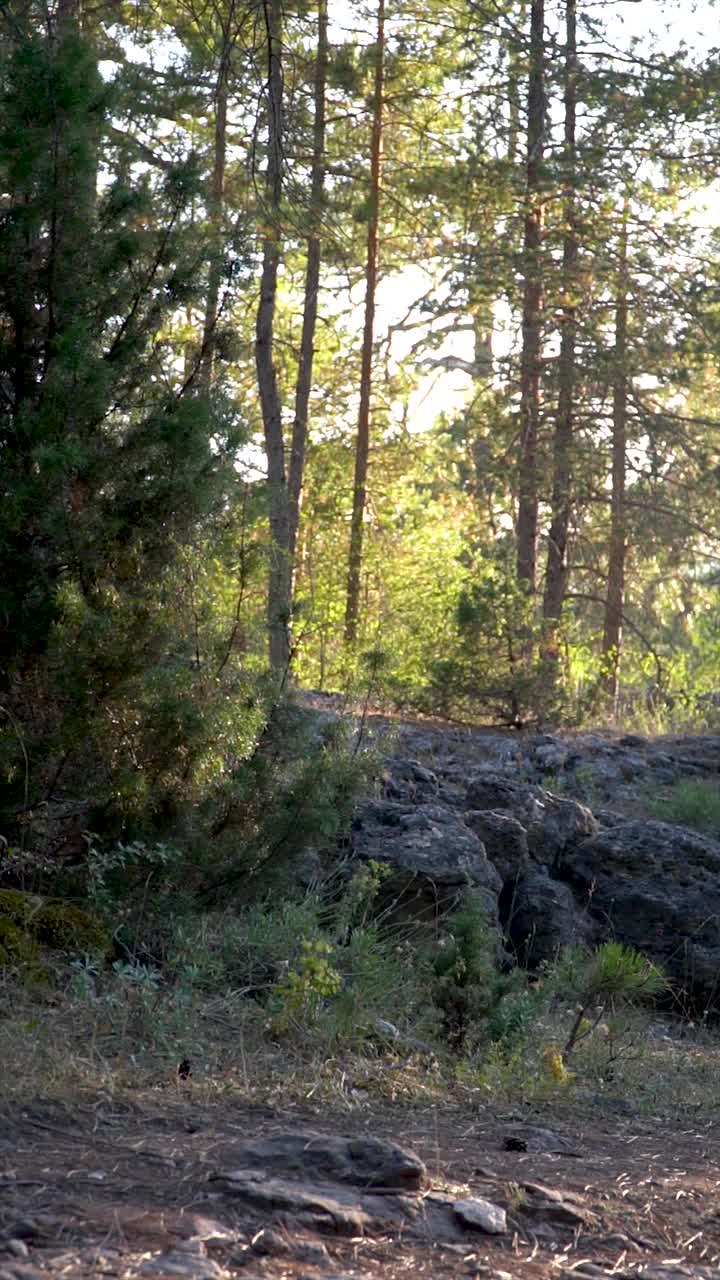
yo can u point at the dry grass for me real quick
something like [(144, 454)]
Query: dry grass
[(128, 1040)]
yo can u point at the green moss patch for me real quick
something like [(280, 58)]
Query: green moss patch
[(28, 921), (63, 927)]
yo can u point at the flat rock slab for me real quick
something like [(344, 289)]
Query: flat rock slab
[(183, 1264), (370, 1163), (327, 1207), (481, 1214)]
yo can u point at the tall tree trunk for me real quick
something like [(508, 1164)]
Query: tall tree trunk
[(527, 519), (615, 599), (75, 163), (362, 448), (312, 282), (278, 600), (556, 572), (216, 207)]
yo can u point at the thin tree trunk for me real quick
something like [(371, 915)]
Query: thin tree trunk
[(216, 208), (514, 92), (527, 520), (362, 447), (615, 599), (278, 600), (557, 569), (312, 283)]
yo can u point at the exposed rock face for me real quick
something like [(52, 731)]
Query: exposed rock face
[(431, 851), (345, 1186), (552, 823), (505, 840), (542, 917), (553, 871), (409, 780), (655, 887)]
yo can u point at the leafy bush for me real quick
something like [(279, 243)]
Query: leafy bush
[(468, 987), (614, 975)]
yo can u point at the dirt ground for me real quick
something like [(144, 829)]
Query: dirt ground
[(97, 1186)]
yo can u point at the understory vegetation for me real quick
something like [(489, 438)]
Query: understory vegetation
[(314, 994), (350, 358)]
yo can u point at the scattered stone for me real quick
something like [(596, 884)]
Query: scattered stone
[(481, 1214), (528, 1137)]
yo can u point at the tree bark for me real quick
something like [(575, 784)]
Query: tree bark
[(530, 382), (557, 569), (617, 549), (362, 448), (312, 283), (216, 208), (279, 583)]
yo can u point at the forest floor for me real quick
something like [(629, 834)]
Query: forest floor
[(110, 1180), (99, 1186)]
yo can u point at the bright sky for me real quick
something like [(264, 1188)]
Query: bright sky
[(664, 23), (654, 23)]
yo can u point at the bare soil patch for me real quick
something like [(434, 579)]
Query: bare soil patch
[(99, 1186)]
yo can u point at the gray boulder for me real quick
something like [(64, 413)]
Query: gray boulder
[(655, 887), (556, 824), (542, 917), (433, 855), (363, 1162), (553, 823), (505, 841)]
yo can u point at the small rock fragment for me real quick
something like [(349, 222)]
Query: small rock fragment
[(17, 1247), (269, 1243), (186, 1263), (481, 1214)]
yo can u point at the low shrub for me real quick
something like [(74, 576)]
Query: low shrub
[(693, 804)]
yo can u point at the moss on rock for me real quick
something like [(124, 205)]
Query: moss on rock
[(17, 947), (60, 926), (16, 906)]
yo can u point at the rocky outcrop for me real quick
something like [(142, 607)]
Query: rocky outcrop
[(432, 854), (549, 869), (541, 917), (552, 823), (348, 1186), (655, 887), (362, 1162)]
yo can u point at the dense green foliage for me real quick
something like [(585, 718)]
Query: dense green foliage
[(157, 164)]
